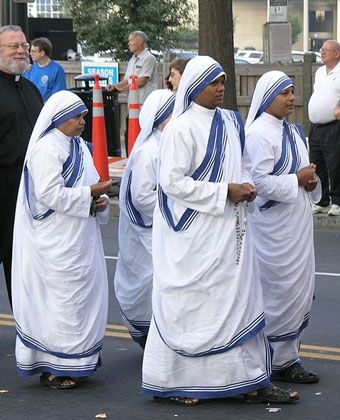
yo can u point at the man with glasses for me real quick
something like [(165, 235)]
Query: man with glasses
[(20, 105), (48, 76), (324, 136)]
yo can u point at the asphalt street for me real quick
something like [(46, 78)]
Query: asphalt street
[(116, 388)]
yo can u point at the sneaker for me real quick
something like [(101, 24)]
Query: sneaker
[(334, 210), (320, 209)]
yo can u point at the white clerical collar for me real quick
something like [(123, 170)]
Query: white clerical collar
[(201, 108), (273, 119)]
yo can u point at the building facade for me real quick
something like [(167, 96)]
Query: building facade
[(251, 15), (45, 9)]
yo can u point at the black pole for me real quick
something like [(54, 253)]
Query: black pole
[(6, 12), (19, 16)]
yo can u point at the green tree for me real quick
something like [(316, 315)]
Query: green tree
[(296, 27), (187, 38), (104, 25)]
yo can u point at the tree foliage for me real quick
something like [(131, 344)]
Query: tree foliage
[(296, 27), (187, 38), (104, 25)]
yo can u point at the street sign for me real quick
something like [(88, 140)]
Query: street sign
[(109, 70), (278, 10)]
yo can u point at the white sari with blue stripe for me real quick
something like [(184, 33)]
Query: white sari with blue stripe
[(282, 225), (207, 309), (137, 198), (59, 274)]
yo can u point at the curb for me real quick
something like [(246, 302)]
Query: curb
[(321, 221)]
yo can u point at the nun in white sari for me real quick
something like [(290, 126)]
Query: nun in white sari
[(205, 338), (282, 225), (60, 290), (137, 198)]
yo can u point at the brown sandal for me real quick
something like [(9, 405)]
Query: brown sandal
[(179, 400), (296, 374), (184, 401), (272, 395), (58, 382)]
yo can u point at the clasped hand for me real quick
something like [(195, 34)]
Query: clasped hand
[(241, 192), (100, 203), (307, 177)]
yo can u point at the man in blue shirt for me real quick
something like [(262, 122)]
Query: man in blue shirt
[(48, 76)]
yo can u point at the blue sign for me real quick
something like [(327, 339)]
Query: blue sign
[(109, 70)]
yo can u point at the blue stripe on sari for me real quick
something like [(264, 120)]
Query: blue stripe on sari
[(280, 85), (226, 391), (248, 332), (213, 160), (134, 214), (240, 127), (72, 170), (289, 147), (201, 83), (292, 335), (34, 344), (165, 111), (299, 128), (58, 369), (214, 391)]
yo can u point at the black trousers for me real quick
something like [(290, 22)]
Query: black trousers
[(10, 180), (324, 151)]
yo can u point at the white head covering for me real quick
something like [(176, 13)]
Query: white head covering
[(157, 107), (267, 88), (58, 109), (198, 74)]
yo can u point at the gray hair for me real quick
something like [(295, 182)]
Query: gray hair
[(334, 42), (141, 35), (10, 28), (9, 63)]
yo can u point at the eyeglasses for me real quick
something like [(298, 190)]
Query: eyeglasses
[(326, 50), (16, 46)]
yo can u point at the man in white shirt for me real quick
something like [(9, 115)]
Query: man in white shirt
[(142, 64), (324, 137)]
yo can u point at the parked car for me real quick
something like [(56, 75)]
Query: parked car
[(297, 56), (252, 56), (186, 54), (240, 61)]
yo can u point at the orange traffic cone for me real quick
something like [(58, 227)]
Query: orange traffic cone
[(134, 108), (99, 132)]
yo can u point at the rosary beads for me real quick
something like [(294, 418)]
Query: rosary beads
[(240, 230)]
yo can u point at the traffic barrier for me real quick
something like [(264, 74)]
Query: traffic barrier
[(134, 108), (100, 157)]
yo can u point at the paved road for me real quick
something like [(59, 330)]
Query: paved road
[(115, 389)]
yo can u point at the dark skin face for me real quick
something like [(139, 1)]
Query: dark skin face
[(74, 126), (283, 104), (212, 96)]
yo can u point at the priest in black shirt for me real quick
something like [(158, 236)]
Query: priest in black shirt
[(20, 106)]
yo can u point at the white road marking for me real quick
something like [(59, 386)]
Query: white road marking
[(328, 274)]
